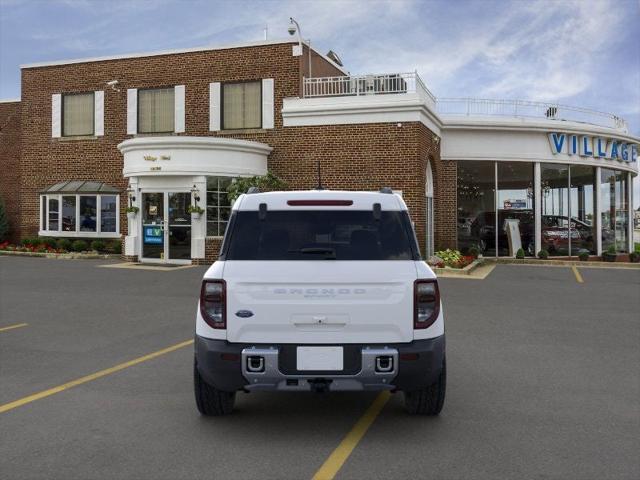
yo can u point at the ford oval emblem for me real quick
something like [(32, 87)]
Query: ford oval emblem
[(244, 313)]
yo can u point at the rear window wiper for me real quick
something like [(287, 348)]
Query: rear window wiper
[(330, 252)]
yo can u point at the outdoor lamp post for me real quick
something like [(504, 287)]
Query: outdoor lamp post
[(294, 27)]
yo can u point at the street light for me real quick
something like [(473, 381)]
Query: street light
[(294, 27)]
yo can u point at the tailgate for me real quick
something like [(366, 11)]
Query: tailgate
[(318, 302)]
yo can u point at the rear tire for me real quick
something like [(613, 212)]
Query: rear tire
[(210, 400), (428, 400)]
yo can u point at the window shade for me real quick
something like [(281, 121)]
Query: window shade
[(77, 114), (241, 105), (156, 110)]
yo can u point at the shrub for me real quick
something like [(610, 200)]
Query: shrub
[(611, 250), (474, 252), (449, 257), (47, 242), (64, 244), (97, 245), (583, 256), (543, 254), (79, 246), (4, 222), (520, 253), (29, 242), (265, 183), (115, 247), (634, 257)]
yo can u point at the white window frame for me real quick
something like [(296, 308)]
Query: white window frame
[(95, 115), (78, 233)]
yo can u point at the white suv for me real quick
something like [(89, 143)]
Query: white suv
[(324, 291)]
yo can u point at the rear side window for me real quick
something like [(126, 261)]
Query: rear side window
[(320, 235)]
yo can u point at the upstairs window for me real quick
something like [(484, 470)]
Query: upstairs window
[(156, 110), (78, 114), (241, 105)]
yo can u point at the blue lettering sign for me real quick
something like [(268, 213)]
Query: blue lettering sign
[(585, 147), (624, 153), (614, 150), (634, 153), (601, 150), (573, 148), (557, 142), (152, 235)]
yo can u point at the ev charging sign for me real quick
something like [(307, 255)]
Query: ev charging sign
[(596, 147)]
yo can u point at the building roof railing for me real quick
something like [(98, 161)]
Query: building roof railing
[(403, 83), (357, 85), (528, 109)]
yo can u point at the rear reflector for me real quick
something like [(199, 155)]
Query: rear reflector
[(230, 357), (408, 356), (319, 203)]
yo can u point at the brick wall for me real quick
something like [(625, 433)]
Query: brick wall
[(353, 157), (10, 164)]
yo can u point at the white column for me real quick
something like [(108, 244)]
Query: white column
[(537, 208), (598, 213), (132, 245), (199, 226), (630, 211)]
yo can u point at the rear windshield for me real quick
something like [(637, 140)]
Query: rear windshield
[(320, 235)]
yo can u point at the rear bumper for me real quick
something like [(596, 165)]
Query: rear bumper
[(415, 365)]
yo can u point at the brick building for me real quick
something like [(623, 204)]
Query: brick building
[(162, 131)]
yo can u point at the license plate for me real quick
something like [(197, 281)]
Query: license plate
[(320, 358)]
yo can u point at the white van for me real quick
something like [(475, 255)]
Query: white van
[(324, 291)]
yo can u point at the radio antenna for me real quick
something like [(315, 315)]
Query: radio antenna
[(319, 187)]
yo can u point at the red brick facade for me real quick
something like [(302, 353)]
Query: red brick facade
[(352, 157), (10, 164)]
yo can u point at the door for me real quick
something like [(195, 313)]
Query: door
[(166, 227)]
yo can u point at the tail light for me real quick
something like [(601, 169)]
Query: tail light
[(426, 303), (213, 306)]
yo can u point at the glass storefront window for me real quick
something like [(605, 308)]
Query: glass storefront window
[(581, 203), (218, 205), (69, 213), (88, 213), (476, 206), (516, 221), (108, 213), (53, 214), (554, 221), (614, 209)]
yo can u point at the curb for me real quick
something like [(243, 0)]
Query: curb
[(459, 271), (564, 263), (63, 256)]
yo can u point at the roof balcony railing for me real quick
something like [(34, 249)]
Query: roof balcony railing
[(528, 109), (411, 83), (358, 85)]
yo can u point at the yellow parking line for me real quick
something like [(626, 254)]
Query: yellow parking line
[(11, 327), (577, 274), (334, 463), (74, 383)]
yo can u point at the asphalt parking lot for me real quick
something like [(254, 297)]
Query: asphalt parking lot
[(543, 382)]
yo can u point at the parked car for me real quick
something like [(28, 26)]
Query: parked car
[(319, 291), (555, 234), (483, 229)]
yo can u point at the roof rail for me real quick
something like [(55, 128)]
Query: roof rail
[(386, 190), (253, 190)]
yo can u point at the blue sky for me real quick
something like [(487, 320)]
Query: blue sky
[(579, 52)]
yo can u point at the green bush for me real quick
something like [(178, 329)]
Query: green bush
[(79, 246), (543, 254), (97, 245), (47, 242), (265, 183), (520, 253), (611, 250), (64, 244), (28, 241), (448, 256), (634, 257), (583, 255), (115, 247)]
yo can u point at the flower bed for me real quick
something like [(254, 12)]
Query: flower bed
[(47, 245), (451, 258)]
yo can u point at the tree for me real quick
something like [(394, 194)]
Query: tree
[(4, 222), (264, 183)]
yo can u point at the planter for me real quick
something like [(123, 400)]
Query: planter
[(196, 215), (131, 216), (634, 257), (609, 257)]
